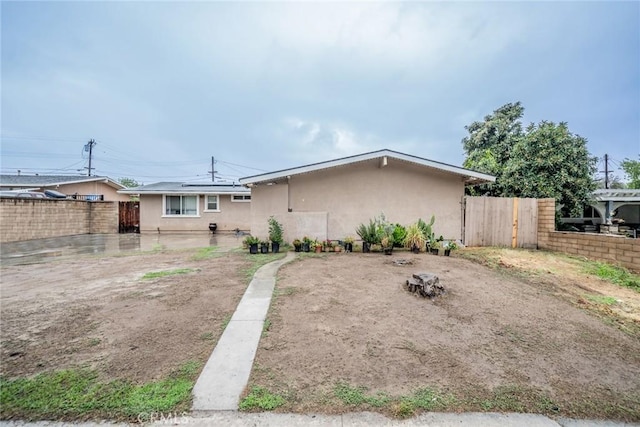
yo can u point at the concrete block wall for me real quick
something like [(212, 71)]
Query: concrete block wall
[(602, 247), (28, 219)]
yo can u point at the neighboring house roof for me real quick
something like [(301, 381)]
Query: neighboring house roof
[(182, 188), (39, 181), (471, 177), (621, 195)]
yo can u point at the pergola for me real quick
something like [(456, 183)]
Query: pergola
[(607, 201)]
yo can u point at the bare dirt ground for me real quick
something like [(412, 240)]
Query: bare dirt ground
[(98, 312), (340, 318), (347, 318)]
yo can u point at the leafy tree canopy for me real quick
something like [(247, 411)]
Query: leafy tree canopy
[(128, 182), (631, 170), (544, 160)]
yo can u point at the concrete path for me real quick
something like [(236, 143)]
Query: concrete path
[(227, 371)]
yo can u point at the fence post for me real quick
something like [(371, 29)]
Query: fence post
[(514, 232)]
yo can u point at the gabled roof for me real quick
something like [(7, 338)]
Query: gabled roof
[(182, 188), (37, 181), (620, 195), (471, 177)]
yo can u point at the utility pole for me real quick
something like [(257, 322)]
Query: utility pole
[(89, 147), (213, 170), (607, 208), (606, 171)]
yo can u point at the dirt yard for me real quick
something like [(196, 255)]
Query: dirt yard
[(339, 318), (98, 311), (348, 319)]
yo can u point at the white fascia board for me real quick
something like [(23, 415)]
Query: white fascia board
[(274, 176)]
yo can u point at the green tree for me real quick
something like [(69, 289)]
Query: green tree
[(545, 160), (631, 170), (489, 144), (550, 161), (128, 182)]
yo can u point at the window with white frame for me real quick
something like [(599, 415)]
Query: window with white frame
[(241, 198), (212, 203), (181, 205)]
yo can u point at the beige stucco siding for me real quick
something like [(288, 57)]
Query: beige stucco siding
[(232, 215), (350, 195), (86, 188)]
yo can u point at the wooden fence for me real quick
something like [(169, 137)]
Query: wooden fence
[(501, 221)]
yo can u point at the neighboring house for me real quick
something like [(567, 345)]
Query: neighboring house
[(621, 205), (178, 207), (82, 187), (328, 200)]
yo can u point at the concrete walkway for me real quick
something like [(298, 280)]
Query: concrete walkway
[(227, 371)]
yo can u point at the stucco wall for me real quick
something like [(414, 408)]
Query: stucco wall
[(351, 195), (232, 215), (602, 247), (110, 193), (27, 219)]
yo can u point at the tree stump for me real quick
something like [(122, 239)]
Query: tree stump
[(427, 285)]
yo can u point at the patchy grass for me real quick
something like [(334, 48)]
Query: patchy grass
[(207, 253), (75, 394), (614, 274), (158, 274), (602, 299), (226, 320), (356, 396), (266, 326), (258, 260), (261, 398)]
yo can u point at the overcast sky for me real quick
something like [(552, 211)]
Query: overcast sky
[(164, 86)]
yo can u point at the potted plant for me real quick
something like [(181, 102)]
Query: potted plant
[(387, 244), (370, 234), (252, 243), (449, 246), (275, 234), (434, 247), (317, 246), (306, 244), (297, 245), (414, 238), (327, 245), (348, 244), (264, 246)]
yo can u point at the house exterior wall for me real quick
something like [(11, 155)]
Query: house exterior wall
[(602, 247), (350, 195), (85, 188), (232, 215), (28, 219)]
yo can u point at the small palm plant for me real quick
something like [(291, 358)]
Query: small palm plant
[(415, 238)]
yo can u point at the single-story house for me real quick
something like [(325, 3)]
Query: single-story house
[(618, 206), (179, 207), (328, 200), (82, 187)]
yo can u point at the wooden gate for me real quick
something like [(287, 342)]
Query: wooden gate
[(501, 221), (129, 217)]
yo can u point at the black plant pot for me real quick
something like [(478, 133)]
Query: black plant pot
[(297, 248), (434, 251), (447, 252), (388, 251), (348, 247), (253, 248), (415, 249), (264, 248), (275, 247), (366, 247), (305, 247)]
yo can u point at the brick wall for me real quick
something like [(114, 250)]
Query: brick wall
[(602, 247), (27, 219)]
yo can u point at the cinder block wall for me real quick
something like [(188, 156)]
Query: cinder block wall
[(27, 219), (602, 247)]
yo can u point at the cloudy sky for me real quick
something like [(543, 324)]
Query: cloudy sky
[(164, 86)]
